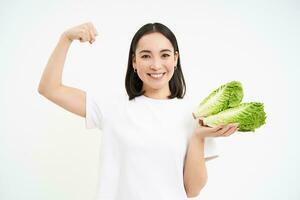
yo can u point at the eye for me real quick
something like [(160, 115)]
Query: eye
[(166, 55), (145, 56)]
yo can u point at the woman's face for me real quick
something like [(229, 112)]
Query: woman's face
[(154, 61)]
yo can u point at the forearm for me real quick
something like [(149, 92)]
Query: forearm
[(195, 173), (52, 75)]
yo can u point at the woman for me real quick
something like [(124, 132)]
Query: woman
[(151, 148)]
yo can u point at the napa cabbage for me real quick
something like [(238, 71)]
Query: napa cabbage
[(249, 116), (224, 106), (226, 96)]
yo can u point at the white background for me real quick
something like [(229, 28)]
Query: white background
[(46, 152)]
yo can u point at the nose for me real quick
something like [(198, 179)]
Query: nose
[(155, 65)]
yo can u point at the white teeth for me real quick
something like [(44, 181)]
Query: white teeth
[(156, 75)]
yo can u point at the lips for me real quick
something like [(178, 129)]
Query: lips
[(156, 75)]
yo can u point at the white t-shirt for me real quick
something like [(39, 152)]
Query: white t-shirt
[(143, 146)]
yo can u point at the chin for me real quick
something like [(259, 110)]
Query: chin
[(157, 87)]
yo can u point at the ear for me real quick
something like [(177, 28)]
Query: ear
[(176, 56), (133, 60)]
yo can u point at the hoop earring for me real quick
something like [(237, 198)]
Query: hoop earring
[(134, 70)]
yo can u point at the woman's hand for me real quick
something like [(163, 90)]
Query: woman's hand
[(203, 131), (84, 32)]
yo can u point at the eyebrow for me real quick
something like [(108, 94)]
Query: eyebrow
[(148, 51)]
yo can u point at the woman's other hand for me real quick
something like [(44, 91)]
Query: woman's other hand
[(203, 130)]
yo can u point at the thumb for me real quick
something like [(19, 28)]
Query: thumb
[(201, 122)]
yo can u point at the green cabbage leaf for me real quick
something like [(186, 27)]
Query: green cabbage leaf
[(226, 96), (249, 116)]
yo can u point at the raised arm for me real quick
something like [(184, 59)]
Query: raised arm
[(51, 86)]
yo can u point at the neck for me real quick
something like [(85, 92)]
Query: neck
[(157, 94)]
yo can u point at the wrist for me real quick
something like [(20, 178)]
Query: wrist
[(65, 38), (198, 137)]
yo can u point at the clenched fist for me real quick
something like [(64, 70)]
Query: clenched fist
[(84, 32)]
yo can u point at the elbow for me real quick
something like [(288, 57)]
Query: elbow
[(195, 190), (43, 90), (40, 91), (193, 193)]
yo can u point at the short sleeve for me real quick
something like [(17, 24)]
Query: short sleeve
[(210, 148), (94, 114)]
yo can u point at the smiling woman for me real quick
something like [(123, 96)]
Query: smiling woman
[(150, 147)]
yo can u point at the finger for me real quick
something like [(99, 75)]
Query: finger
[(84, 38), (92, 27), (95, 31), (235, 125), (201, 122), (92, 31), (217, 128), (89, 35), (91, 39), (230, 131), (233, 131), (92, 35), (223, 130)]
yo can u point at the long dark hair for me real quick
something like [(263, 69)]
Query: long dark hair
[(134, 84)]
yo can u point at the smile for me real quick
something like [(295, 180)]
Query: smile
[(156, 76)]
